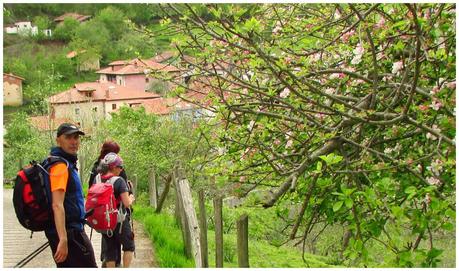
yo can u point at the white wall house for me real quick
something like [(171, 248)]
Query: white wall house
[(26, 29)]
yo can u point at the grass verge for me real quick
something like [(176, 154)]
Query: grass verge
[(166, 237)]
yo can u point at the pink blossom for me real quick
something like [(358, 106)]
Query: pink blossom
[(277, 142), (345, 37), (330, 91), (289, 144), (277, 28), (284, 94), (431, 136), (334, 76), (427, 15), (337, 14), (433, 181), (436, 167), (397, 66), (436, 105), (423, 107), (242, 179), (434, 90), (381, 23), (358, 53), (451, 85), (320, 116)]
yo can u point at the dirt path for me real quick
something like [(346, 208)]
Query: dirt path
[(17, 243)]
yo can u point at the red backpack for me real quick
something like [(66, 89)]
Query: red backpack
[(101, 206), (32, 195)]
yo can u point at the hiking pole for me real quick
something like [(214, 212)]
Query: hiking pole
[(32, 255)]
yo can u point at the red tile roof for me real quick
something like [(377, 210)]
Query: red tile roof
[(164, 106), (137, 66), (73, 54), (75, 16), (118, 62), (44, 123), (99, 90)]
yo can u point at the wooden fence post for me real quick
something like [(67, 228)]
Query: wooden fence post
[(243, 241), (203, 226), (21, 163), (152, 189), (218, 204), (180, 215), (191, 220)]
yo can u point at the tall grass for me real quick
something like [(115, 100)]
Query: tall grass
[(166, 237)]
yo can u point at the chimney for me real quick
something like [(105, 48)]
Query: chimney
[(107, 91)]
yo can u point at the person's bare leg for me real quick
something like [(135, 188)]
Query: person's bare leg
[(110, 264), (127, 258)]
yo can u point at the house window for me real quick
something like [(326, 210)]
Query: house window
[(147, 79), (77, 111), (94, 109), (111, 78), (113, 106)]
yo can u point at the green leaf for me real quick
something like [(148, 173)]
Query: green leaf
[(337, 206), (410, 190), (450, 213), (319, 166), (448, 226), (348, 202)]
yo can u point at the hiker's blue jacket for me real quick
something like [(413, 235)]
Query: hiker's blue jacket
[(74, 198)]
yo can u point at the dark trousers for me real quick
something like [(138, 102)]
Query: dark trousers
[(80, 251)]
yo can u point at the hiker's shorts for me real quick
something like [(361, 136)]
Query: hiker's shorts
[(126, 239)]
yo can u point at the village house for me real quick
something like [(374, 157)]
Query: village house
[(25, 29), (12, 90), (88, 103), (86, 62), (46, 123), (137, 74), (171, 107), (80, 18)]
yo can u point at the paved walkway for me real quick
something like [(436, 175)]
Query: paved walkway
[(17, 243)]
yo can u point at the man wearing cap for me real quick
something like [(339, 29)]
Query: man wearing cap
[(69, 243)]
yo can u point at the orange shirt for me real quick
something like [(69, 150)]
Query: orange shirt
[(58, 176)]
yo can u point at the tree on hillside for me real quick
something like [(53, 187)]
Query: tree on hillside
[(114, 21), (66, 30), (348, 110), (42, 23), (95, 35)]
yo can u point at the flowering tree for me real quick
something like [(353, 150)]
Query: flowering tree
[(347, 110)]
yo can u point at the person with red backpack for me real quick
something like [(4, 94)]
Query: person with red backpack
[(69, 243), (110, 168), (107, 147)]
